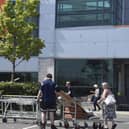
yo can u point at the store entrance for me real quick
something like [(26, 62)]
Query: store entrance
[(121, 81), (127, 80)]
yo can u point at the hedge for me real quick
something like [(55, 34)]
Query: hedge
[(9, 88)]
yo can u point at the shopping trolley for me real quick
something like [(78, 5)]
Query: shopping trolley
[(95, 120), (73, 112), (99, 124), (18, 107)]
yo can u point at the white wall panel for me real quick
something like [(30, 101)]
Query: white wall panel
[(47, 22), (120, 50), (92, 43), (81, 51), (47, 27), (47, 6), (48, 51), (48, 36)]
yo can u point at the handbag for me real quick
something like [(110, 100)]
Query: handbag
[(110, 99)]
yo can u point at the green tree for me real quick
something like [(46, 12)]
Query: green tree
[(17, 41)]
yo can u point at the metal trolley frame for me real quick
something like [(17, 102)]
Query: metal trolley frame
[(18, 107), (72, 111), (79, 112)]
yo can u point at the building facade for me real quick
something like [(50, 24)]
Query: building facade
[(86, 42)]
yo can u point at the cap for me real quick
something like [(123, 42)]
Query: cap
[(67, 82), (95, 86)]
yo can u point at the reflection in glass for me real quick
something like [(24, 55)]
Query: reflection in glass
[(84, 72), (81, 12)]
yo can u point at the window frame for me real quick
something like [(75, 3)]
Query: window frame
[(111, 11)]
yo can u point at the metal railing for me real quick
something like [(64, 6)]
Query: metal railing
[(18, 107)]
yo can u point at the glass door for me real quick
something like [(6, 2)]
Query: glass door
[(121, 81), (127, 80)]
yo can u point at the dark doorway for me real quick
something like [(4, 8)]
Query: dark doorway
[(121, 83), (127, 80)]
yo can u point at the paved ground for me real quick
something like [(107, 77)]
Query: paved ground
[(122, 121)]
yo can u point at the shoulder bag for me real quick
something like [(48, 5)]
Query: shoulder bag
[(110, 99)]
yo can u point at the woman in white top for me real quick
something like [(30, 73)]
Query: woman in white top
[(108, 111)]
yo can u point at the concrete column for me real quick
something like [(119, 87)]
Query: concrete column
[(46, 65)]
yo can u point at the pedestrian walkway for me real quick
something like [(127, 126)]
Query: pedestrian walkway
[(122, 122)]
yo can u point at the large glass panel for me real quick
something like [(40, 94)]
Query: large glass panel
[(100, 5), (107, 4), (100, 17), (108, 18), (83, 73), (87, 12), (78, 19), (91, 5)]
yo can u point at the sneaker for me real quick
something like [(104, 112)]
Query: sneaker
[(114, 126), (53, 127)]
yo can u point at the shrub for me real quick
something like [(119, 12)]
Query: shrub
[(15, 88)]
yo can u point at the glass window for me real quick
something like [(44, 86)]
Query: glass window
[(85, 12), (91, 5), (118, 14), (100, 5), (83, 73), (107, 4)]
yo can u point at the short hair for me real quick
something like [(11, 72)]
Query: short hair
[(105, 85), (68, 82), (49, 75)]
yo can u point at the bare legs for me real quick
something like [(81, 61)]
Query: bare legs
[(112, 125), (43, 116), (44, 119), (52, 117), (105, 123)]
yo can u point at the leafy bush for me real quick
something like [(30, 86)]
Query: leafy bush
[(9, 88)]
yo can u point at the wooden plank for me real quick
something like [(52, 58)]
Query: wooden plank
[(69, 106)]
